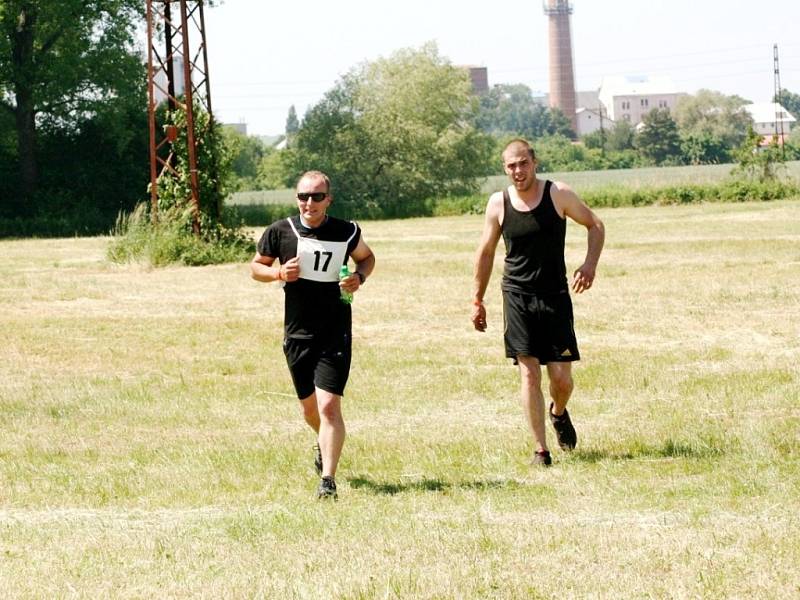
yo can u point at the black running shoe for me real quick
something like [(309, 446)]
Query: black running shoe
[(317, 459), (327, 489), (542, 457), (565, 432)]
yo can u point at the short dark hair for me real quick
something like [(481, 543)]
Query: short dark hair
[(316, 175), (519, 142)]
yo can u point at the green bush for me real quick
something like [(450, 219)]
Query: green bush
[(602, 196), (255, 215), (173, 237), (728, 191), (459, 205), (172, 242)]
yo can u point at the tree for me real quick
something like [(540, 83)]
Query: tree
[(703, 148), (395, 133), (791, 102), (246, 153), (620, 136), (559, 153), (273, 172), (715, 116), (594, 140), (792, 147), (615, 146), (658, 138), (794, 136), (512, 110), (759, 161), (292, 124), (59, 61)]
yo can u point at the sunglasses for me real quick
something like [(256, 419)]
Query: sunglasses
[(315, 196)]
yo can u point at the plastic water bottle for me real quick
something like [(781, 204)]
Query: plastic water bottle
[(347, 297)]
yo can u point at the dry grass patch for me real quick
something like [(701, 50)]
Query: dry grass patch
[(151, 446)]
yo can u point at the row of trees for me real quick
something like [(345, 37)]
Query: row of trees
[(73, 121), (392, 133), (396, 132), (705, 128), (414, 97)]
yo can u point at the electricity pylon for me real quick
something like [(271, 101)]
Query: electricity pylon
[(177, 73)]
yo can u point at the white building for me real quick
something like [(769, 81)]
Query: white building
[(161, 82), (587, 113), (631, 98), (769, 119), (589, 121)]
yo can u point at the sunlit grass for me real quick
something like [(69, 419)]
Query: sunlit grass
[(581, 181), (151, 445)]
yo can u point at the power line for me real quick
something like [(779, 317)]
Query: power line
[(582, 65), (777, 100), (683, 72)]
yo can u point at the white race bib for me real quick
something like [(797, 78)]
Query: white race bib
[(319, 260)]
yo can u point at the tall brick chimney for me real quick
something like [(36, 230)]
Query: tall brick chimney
[(562, 73)]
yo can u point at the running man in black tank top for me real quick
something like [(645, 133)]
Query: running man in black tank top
[(305, 254), (530, 215)]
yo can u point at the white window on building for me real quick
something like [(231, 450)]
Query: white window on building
[(644, 102), (626, 116)]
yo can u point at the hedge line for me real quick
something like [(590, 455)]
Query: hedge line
[(728, 191), (601, 197)]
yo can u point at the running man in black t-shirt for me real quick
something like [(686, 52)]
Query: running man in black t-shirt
[(530, 215), (310, 249)]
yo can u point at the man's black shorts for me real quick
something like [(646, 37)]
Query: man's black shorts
[(539, 326), (318, 363)]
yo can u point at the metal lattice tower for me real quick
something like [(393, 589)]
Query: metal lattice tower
[(777, 99), (177, 74), (562, 72)]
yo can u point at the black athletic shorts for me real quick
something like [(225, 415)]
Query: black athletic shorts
[(539, 326), (318, 363)]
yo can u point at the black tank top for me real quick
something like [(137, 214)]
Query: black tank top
[(312, 309), (534, 242)]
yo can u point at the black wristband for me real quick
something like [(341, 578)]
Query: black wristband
[(361, 277)]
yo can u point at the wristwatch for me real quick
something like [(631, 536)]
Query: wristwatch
[(361, 277)]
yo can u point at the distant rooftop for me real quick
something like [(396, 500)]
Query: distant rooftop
[(584, 99), (766, 112), (271, 140), (637, 85)]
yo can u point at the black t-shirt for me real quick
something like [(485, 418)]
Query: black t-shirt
[(534, 242), (313, 306)]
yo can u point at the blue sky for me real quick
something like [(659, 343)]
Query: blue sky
[(265, 56)]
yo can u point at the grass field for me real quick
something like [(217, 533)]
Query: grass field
[(649, 177), (150, 444), (581, 181)]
